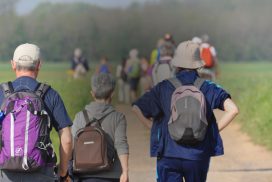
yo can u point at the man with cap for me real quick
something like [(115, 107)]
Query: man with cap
[(26, 64), (178, 162)]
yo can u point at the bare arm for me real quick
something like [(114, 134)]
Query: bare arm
[(65, 149), (231, 111), (124, 163), (147, 122)]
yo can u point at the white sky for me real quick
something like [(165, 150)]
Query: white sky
[(24, 6)]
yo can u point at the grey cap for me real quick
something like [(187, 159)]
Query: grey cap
[(27, 54), (188, 56)]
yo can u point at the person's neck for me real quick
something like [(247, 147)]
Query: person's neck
[(108, 101), (31, 74)]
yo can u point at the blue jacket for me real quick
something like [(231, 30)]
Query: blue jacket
[(156, 104)]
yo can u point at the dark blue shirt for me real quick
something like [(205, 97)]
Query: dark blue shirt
[(53, 102), (156, 104)]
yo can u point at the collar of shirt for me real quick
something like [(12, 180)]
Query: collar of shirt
[(187, 76), (25, 82)]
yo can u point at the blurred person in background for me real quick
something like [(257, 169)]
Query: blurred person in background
[(79, 64), (146, 75), (170, 39), (163, 68), (133, 70), (104, 66), (209, 55), (122, 82), (155, 52)]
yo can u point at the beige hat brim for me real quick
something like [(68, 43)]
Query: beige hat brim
[(188, 64)]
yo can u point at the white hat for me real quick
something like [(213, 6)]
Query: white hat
[(197, 40), (188, 56), (27, 54)]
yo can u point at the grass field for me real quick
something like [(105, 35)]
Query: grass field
[(249, 84)]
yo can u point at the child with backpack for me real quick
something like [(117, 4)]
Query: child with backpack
[(100, 140), (184, 130)]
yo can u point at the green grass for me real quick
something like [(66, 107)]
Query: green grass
[(250, 86), (75, 93)]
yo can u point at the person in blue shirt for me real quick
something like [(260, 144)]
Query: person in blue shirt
[(26, 64), (176, 162)]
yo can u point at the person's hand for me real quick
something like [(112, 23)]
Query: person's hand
[(124, 177), (64, 177)]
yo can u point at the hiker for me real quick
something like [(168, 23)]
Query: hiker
[(184, 130), (122, 82), (209, 55), (146, 75), (169, 38), (102, 114), (104, 66), (80, 64), (163, 68), (30, 111), (155, 53), (133, 71)]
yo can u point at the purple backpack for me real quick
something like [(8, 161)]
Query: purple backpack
[(25, 130), (188, 123)]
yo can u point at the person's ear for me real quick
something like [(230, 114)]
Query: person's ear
[(39, 65), (13, 65)]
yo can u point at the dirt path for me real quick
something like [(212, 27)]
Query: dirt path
[(243, 161)]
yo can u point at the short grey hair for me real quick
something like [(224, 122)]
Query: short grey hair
[(30, 66), (103, 85)]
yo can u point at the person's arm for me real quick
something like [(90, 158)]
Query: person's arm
[(121, 146), (65, 150), (147, 122), (124, 163), (230, 112)]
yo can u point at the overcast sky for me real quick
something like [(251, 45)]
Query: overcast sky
[(24, 6)]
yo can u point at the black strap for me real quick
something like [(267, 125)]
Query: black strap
[(175, 82), (7, 89), (199, 82), (88, 121), (41, 90)]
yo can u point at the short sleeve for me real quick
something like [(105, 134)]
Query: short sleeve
[(58, 112), (149, 103), (217, 96)]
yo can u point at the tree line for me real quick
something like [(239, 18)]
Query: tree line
[(240, 30)]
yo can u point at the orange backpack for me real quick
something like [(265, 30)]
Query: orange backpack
[(207, 57)]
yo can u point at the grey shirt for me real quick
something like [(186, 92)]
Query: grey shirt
[(114, 124)]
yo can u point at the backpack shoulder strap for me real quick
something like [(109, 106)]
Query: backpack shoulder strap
[(7, 89), (199, 82), (90, 121), (41, 90), (86, 117), (175, 82)]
